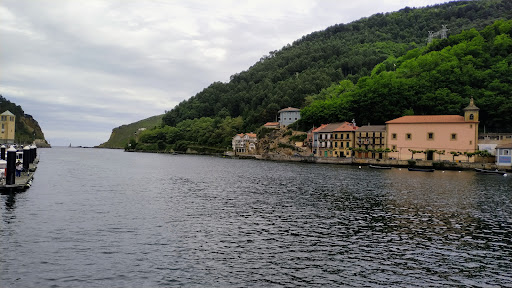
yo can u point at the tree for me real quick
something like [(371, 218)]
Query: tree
[(455, 154)]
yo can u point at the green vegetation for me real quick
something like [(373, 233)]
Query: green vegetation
[(121, 135), (298, 138), (27, 128), (437, 79), (374, 69), (196, 134)]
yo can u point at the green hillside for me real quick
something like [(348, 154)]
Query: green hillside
[(27, 128), (287, 76), (309, 72), (121, 135), (437, 79)]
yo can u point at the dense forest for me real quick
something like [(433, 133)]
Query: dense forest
[(323, 65), (27, 128), (437, 79)]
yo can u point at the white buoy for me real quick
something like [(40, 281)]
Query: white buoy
[(359, 167), (505, 175)]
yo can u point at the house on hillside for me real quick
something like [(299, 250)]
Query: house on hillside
[(244, 143), (288, 116), (8, 132), (433, 134), (272, 125)]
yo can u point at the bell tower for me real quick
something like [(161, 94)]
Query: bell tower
[(471, 116), (471, 112)]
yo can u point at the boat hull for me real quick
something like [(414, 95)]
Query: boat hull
[(421, 169)]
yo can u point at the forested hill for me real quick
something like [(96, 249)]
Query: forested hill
[(341, 52), (27, 128), (437, 79)]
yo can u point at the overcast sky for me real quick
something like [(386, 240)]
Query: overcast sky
[(82, 68)]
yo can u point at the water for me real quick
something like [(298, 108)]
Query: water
[(106, 218)]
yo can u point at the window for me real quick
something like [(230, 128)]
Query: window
[(430, 136), (408, 136), (454, 136), (336, 144), (4, 118), (470, 125), (12, 118), (470, 142), (471, 117), (348, 136), (393, 147), (393, 136), (505, 152), (335, 136), (348, 144)]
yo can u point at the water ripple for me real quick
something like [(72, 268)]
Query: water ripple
[(147, 220)]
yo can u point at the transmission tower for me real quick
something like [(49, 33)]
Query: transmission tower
[(441, 33)]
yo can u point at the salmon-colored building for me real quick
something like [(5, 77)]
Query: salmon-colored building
[(434, 134)]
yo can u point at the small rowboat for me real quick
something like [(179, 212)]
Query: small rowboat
[(483, 171), (379, 167), (421, 169)]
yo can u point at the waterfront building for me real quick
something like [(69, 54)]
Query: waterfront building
[(315, 139), (370, 139), (288, 116), (504, 155), (327, 140), (244, 143), (8, 123), (434, 135), (343, 139), (489, 141)]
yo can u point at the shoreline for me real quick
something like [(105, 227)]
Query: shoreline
[(418, 163)]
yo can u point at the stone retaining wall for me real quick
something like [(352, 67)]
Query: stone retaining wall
[(394, 163)]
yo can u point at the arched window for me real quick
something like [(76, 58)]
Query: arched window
[(471, 117)]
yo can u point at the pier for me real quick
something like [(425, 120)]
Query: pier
[(21, 183)]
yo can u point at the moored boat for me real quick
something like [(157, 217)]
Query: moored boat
[(484, 171), (421, 169), (379, 167)]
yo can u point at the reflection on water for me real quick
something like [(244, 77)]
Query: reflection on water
[(132, 220)]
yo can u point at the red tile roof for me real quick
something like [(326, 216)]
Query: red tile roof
[(319, 128), (251, 135), (288, 109), (271, 124), (428, 119), (345, 127)]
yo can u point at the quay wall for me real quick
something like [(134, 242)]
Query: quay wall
[(446, 165)]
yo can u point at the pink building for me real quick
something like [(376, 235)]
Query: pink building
[(434, 134)]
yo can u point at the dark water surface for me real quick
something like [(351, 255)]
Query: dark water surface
[(105, 218)]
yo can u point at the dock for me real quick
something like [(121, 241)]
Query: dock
[(21, 183)]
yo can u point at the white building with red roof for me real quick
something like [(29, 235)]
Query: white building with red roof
[(244, 143)]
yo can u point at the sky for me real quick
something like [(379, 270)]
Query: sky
[(82, 68)]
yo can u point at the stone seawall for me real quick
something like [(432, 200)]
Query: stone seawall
[(382, 162)]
